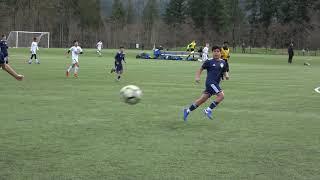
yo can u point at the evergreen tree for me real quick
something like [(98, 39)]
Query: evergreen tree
[(130, 13), (175, 12), (118, 13)]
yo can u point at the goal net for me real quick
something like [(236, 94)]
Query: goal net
[(24, 39)]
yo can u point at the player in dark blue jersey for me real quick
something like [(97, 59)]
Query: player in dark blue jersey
[(4, 48), (215, 67), (118, 67)]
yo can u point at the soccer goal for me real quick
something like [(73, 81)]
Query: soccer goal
[(24, 39)]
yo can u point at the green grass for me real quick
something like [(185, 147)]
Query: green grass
[(53, 127)]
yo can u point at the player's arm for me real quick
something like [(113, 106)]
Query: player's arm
[(81, 51), (198, 74), (69, 50), (123, 59), (226, 75)]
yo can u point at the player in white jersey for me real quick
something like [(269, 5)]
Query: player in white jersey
[(33, 49), (75, 51), (205, 52), (99, 46)]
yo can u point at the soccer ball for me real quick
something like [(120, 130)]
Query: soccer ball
[(131, 94)]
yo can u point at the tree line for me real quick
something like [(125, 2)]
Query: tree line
[(172, 23)]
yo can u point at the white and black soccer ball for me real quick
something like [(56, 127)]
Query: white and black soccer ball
[(131, 94), (306, 64)]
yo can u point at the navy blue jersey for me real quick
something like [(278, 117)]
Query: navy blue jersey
[(215, 69), (119, 58), (4, 48)]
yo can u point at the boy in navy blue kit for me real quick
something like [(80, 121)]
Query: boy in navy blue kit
[(118, 67), (215, 67)]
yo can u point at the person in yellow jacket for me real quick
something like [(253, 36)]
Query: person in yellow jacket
[(191, 47), (225, 54)]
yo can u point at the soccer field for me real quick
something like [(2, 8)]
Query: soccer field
[(53, 127)]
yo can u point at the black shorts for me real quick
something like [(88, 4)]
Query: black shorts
[(212, 89), (2, 61), (119, 68)]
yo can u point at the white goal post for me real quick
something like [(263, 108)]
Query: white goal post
[(24, 39)]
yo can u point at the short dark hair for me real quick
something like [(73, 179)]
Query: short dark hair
[(75, 41), (34, 38), (215, 47), (226, 42)]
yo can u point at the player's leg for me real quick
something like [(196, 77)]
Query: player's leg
[(99, 51), (30, 61), (219, 98), (76, 69), (290, 59), (119, 71), (12, 72), (70, 68), (114, 68), (37, 61), (203, 98)]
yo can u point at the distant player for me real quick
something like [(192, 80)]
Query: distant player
[(99, 46), (33, 49), (118, 63), (8, 68), (75, 51), (191, 47), (215, 68), (4, 48), (290, 53), (225, 54), (205, 52)]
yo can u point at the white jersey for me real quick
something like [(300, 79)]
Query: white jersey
[(75, 51), (99, 45), (205, 52), (34, 47)]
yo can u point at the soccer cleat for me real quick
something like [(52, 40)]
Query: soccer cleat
[(112, 70), (208, 113), (185, 114)]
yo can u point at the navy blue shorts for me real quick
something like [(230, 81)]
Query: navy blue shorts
[(2, 61), (212, 89), (119, 68)]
